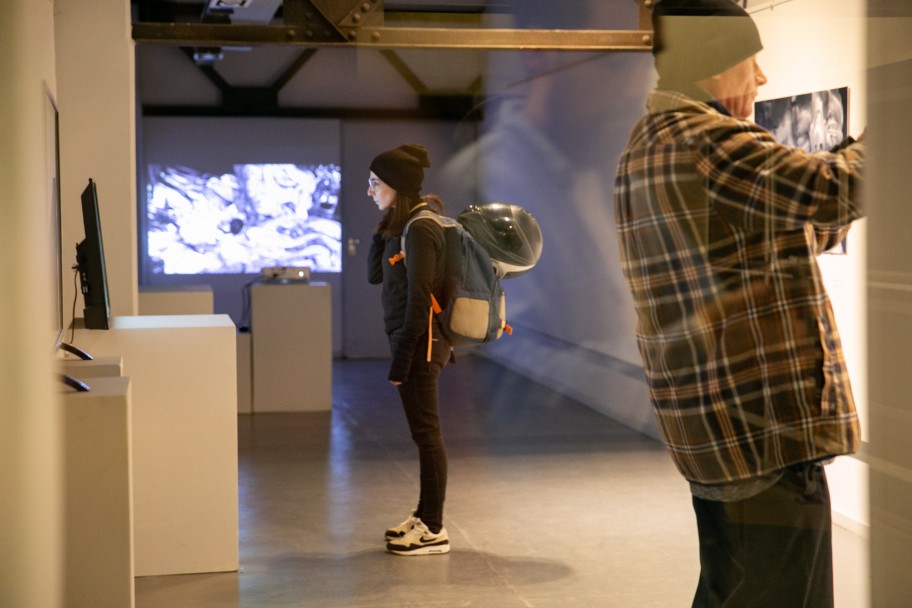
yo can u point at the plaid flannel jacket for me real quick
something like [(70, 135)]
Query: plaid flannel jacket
[(719, 227)]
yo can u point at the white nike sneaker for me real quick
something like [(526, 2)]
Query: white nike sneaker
[(420, 541), (400, 530)]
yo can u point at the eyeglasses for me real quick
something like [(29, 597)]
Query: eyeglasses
[(373, 183)]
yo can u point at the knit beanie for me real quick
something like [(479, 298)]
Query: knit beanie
[(696, 39), (402, 168)]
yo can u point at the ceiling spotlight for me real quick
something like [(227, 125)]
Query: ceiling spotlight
[(232, 4), (207, 56)]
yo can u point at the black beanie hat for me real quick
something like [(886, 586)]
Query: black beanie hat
[(696, 39), (402, 168)]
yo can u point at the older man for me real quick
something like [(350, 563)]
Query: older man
[(719, 228)]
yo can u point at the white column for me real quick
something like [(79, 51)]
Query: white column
[(30, 474)]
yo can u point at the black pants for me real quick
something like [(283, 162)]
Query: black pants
[(771, 550), (419, 396)]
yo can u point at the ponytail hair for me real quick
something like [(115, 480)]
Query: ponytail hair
[(397, 216)]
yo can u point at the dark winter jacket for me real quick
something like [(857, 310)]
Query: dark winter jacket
[(407, 288)]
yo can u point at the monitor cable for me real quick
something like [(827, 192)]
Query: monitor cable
[(75, 298)]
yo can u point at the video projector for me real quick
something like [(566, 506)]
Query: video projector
[(285, 274)]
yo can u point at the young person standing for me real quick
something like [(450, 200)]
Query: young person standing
[(419, 349)]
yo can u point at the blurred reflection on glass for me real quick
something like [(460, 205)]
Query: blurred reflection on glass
[(554, 125)]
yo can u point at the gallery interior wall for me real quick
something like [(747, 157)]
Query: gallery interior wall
[(31, 508), (97, 137), (214, 144), (814, 45)]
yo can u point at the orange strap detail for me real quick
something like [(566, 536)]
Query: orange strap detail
[(507, 329), (397, 258), (435, 310), (430, 332)]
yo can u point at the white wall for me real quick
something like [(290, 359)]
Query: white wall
[(30, 423), (95, 72), (813, 45), (214, 145), (40, 39)]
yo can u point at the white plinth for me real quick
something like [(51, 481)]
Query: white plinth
[(245, 392), (98, 367), (184, 379), (291, 329), (176, 300), (98, 558)]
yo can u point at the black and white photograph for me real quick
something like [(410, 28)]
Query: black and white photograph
[(812, 121)]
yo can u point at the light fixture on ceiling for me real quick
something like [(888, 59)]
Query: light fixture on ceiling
[(240, 11), (229, 4), (207, 56)]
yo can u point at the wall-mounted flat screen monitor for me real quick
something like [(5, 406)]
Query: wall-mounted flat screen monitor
[(90, 261)]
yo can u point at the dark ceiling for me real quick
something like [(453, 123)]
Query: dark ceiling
[(205, 30)]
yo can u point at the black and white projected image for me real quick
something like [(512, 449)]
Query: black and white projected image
[(257, 216)]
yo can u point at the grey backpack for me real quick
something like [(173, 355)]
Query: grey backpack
[(473, 309)]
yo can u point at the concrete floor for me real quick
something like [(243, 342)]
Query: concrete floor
[(550, 505)]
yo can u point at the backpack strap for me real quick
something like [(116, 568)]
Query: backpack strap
[(400, 257), (423, 214)]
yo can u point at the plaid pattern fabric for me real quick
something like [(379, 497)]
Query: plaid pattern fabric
[(719, 227)]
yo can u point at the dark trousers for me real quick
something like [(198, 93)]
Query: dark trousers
[(419, 396), (771, 550)]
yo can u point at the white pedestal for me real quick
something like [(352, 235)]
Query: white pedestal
[(291, 327), (244, 371), (98, 558), (98, 367), (176, 300), (184, 378)]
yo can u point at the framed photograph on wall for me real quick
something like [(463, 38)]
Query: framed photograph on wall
[(812, 121)]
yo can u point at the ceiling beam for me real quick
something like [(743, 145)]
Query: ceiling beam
[(405, 71), (201, 34), (360, 23)]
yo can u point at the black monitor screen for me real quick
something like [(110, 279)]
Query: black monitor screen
[(91, 262)]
